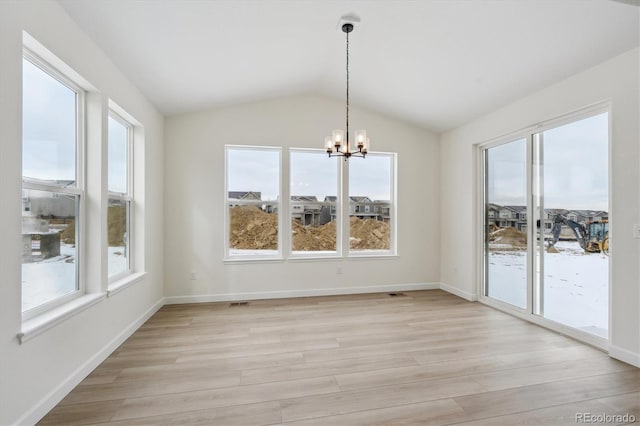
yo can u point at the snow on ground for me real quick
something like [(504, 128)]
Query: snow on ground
[(576, 291), (575, 283), (49, 279), (52, 278), (117, 260)]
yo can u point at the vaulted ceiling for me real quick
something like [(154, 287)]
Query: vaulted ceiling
[(435, 63)]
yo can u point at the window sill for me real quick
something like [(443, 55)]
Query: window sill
[(303, 258), (329, 258), (49, 319), (370, 256), (124, 282), (232, 260)]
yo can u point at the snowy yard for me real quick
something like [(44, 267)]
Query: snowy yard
[(55, 277), (576, 291), (575, 283)]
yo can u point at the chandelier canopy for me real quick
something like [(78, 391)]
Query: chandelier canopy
[(338, 144)]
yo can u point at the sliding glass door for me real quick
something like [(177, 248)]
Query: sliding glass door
[(546, 223), (572, 199)]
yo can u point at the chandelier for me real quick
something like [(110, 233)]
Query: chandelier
[(338, 144)]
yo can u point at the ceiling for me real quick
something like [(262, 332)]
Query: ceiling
[(435, 63)]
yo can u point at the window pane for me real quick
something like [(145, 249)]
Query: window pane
[(118, 234), (253, 190), (49, 250), (118, 156), (573, 268), (506, 223), (370, 190), (49, 128), (314, 184)]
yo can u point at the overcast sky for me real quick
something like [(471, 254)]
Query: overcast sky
[(49, 132), (49, 127), (312, 173), (117, 175), (575, 158)]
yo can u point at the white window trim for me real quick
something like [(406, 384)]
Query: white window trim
[(228, 257), (393, 213), (127, 198), (313, 255), (76, 190), (53, 316)]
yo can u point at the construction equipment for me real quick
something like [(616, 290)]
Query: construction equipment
[(593, 238)]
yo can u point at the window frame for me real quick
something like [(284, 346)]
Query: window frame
[(279, 255), (76, 190), (126, 197), (333, 208), (533, 294), (393, 232)]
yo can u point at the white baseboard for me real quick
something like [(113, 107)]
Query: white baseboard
[(471, 297), (624, 355), (54, 397), (229, 297)]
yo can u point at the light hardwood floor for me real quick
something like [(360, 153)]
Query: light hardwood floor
[(425, 357)]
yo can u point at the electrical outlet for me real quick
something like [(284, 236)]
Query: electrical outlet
[(194, 276), (636, 230), (339, 270)]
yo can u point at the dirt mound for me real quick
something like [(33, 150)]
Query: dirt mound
[(116, 225), (509, 237), (369, 234), (314, 238), (252, 228), (68, 234)]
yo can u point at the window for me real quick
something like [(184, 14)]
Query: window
[(52, 187), (119, 205), (253, 202), (317, 210), (371, 198), (314, 196)]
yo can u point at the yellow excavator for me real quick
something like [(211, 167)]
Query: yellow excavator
[(593, 238)]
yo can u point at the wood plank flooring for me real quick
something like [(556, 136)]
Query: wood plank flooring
[(425, 357)]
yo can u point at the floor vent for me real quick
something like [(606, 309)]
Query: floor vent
[(238, 303), (396, 294)]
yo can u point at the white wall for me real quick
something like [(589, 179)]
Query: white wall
[(615, 80), (194, 201), (36, 374)]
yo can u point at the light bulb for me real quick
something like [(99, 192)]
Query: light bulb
[(361, 137), (328, 144), (338, 137)]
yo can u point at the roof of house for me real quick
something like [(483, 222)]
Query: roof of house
[(245, 195), (310, 198), (354, 198), (517, 209)]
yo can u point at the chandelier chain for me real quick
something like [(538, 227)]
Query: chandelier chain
[(347, 138)]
